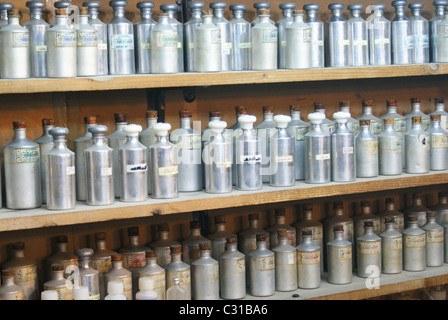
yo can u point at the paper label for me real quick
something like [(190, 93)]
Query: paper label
[(399, 222), (226, 48), (27, 155), (344, 42), (291, 258), (179, 45), (371, 146), (185, 277), (396, 144), (134, 260), (250, 159), (87, 39), (369, 247), (345, 253), (359, 42), (323, 156), (317, 232), (245, 45), (283, 43), (319, 43), (159, 279), (71, 170), (301, 132), (136, 168), (145, 45), (102, 46), (353, 126), (127, 283), (422, 41), (434, 236), (41, 48), (215, 36), (439, 142), (382, 41), (166, 39), (270, 36), (20, 40), (121, 42), (400, 125), (348, 230), (396, 244), (226, 164), (376, 127), (193, 143), (65, 39), (168, 171), (265, 263), (418, 241), (25, 274), (240, 266), (94, 296), (284, 159), (307, 38), (308, 258), (102, 265), (347, 150), (106, 172), (16, 296), (408, 42)]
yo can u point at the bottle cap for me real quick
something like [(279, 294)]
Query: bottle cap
[(145, 5), (120, 117), (264, 12), (281, 120), (204, 246), (247, 121), (207, 12), (364, 122), (435, 117), (132, 231), (439, 100), (416, 119), (81, 293), (237, 6), (307, 232), (412, 218), (287, 5), (416, 100), (368, 224), (430, 214), (262, 5), (90, 120), (268, 109), (35, 4), (8, 273), (240, 110), (389, 121), (92, 4), (298, 12), (13, 12), (341, 116), (391, 102), (232, 239), (164, 227), (116, 257), (218, 5), (146, 284), (316, 117), (282, 233), (294, 108), (319, 105), (161, 128), (338, 227), (280, 212), (19, 124), (132, 130), (217, 125), (151, 254), (98, 130), (195, 224), (367, 102), (100, 236), (343, 104), (195, 4), (115, 287), (151, 114), (49, 295), (261, 237), (57, 267), (185, 113), (389, 220), (83, 11), (47, 122), (176, 249), (214, 114)]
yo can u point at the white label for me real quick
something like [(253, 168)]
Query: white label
[(20, 40), (439, 142), (168, 171), (284, 159), (434, 236), (226, 47), (121, 42), (245, 45), (135, 168), (179, 45), (371, 146), (376, 126), (226, 164), (408, 42), (65, 39), (70, 170), (106, 172), (255, 158), (324, 156), (359, 42), (166, 39), (145, 45), (27, 155), (270, 36), (422, 41), (240, 266), (42, 48), (319, 43), (87, 39), (265, 263), (344, 42), (102, 46), (396, 144), (400, 125), (307, 36), (425, 123), (396, 244), (382, 41), (347, 150), (418, 241), (308, 258)]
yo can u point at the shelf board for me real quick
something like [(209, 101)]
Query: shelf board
[(103, 83), (12, 220)]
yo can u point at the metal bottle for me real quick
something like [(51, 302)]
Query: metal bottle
[(119, 273), (81, 144), (194, 239), (285, 21), (217, 156), (434, 241), (338, 218), (339, 258), (439, 104), (206, 137), (69, 7), (101, 28), (58, 283), (368, 253), (62, 255), (264, 43), (358, 35), (376, 125), (391, 247), (309, 265), (259, 6), (420, 30), (45, 142), (226, 34), (365, 215), (190, 27), (441, 208), (265, 132), (162, 245), (241, 39), (390, 144), (133, 161), (219, 237), (414, 246), (87, 46), (317, 151), (298, 54), (399, 125), (352, 124), (9, 290), (366, 146), (205, 275), (121, 41), (142, 33), (4, 8), (418, 151), (327, 124), (170, 9), (280, 224), (248, 156), (261, 269), (402, 36), (317, 36), (391, 212), (22, 170), (148, 136), (180, 270), (164, 51), (338, 41), (155, 272), (101, 260), (439, 144), (297, 129), (434, 25), (285, 256), (442, 41), (416, 104), (99, 170), (115, 140), (236, 131), (207, 45), (379, 27), (282, 162), (232, 271), (88, 275), (417, 208), (343, 164), (37, 28)]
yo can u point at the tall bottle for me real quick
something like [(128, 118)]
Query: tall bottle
[(119, 273), (379, 27), (399, 125), (418, 151), (297, 129), (195, 238), (190, 26), (439, 144), (261, 269), (317, 35), (164, 51), (45, 142), (358, 35), (22, 170), (232, 271), (285, 258), (101, 260), (177, 269), (352, 124), (236, 131), (37, 28), (439, 105), (142, 33), (282, 162), (434, 27), (87, 46), (88, 275), (4, 8), (226, 35), (391, 212), (285, 21), (338, 41), (264, 43), (207, 45), (156, 273), (58, 283), (298, 43), (416, 104), (327, 124), (434, 241), (115, 140), (162, 245), (170, 9), (219, 237), (414, 246), (390, 144), (241, 39), (281, 224), (205, 275), (441, 208), (121, 41), (62, 255), (402, 36), (442, 42), (391, 247), (366, 145), (417, 208), (368, 253), (206, 137), (265, 131), (339, 258), (420, 31), (309, 265), (343, 164)]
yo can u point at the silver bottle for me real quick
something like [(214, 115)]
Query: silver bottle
[(87, 46), (205, 275), (37, 28), (259, 6), (285, 21), (22, 170), (70, 8), (298, 53), (180, 270), (439, 105), (236, 131), (61, 48), (368, 253), (414, 246), (434, 241), (309, 265), (317, 36), (420, 30), (434, 23), (317, 151), (327, 124), (399, 125), (285, 256), (232, 271), (379, 27), (14, 49), (206, 137), (190, 244), (265, 131), (391, 212), (101, 260), (219, 237), (441, 208), (402, 36), (99, 171), (241, 39), (366, 145), (156, 273), (45, 142), (352, 124), (226, 34), (417, 208), (442, 41), (416, 104), (9, 290), (376, 125), (391, 248), (120, 41), (62, 255), (439, 144), (60, 173), (281, 224), (390, 145), (297, 129), (119, 273), (148, 136), (164, 39), (81, 144), (339, 258), (170, 9), (4, 8), (337, 41), (162, 245), (207, 45), (190, 26), (358, 35), (88, 276), (115, 140), (343, 164), (58, 283), (142, 34), (365, 215), (282, 148), (261, 269), (264, 44), (418, 151), (101, 28)]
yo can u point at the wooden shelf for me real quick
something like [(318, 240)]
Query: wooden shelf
[(12, 220), (102, 83)]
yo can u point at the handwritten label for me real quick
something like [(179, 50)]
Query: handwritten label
[(121, 41), (308, 258), (369, 247), (240, 266), (265, 263), (284, 159), (323, 156), (168, 171), (434, 236), (70, 170), (250, 159), (396, 244), (106, 172), (20, 40), (136, 168), (345, 253), (418, 241), (27, 155), (87, 39)]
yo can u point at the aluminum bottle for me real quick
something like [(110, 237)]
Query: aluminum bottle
[(327, 124), (390, 149), (352, 124), (217, 158), (164, 51), (236, 131), (101, 260), (434, 25), (366, 146), (121, 41), (62, 255), (99, 173), (338, 41), (317, 36), (118, 273), (156, 273), (358, 35), (285, 21), (441, 208), (61, 48), (88, 276), (37, 28), (439, 104), (190, 26), (148, 136), (282, 154), (170, 9), (207, 45), (439, 144), (259, 6), (416, 104), (232, 271), (280, 224), (264, 44), (376, 125), (418, 149), (162, 245), (226, 34), (261, 269), (368, 253), (343, 164), (190, 245), (434, 241), (69, 7), (297, 129), (391, 212), (414, 246), (133, 162), (442, 41), (379, 29), (101, 28), (205, 275), (206, 137), (87, 46), (4, 8), (219, 237), (417, 208), (317, 151), (58, 283), (338, 218), (22, 170), (365, 215), (115, 140), (142, 33), (9, 290), (45, 142), (420, 30), (309, 266), (285, 257), (402, 36), (339, 258), (81, 144), (391, 247), (298, 53), (399, 125), (265, 131), (180, 270), (241, 39)]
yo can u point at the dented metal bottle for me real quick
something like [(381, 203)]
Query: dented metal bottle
[(297, 129), (434, 23), (417, 208), (379, 29), (205, 275), (298, 43), (241, 39), (339, 258), (439, 106), (9, 290), (337, 41), (58, 283), (142, 33), (309, 264), (164, 51), (420, 31), (226, 34), (414, 246), (416, 104), (439, 144), (171, 9), (45, 142), (261, 269), (441, 208), (366, 145), (180, 270), (343, 164), (285, 21), (358, 35), (162, 245), (391, 247), (119, 273), (155, 272), (219, 237), (190, 245), (368, 253), (317, 36), (391, 212), (88, 276), (101, 260), (285, 257), (390, 150), (207, 45), (418, 150), (115, 140), (87, 46), (280, 224), (282, 164), (190, 26), (264, 43), (434, 241), (402, 37), (37, 28), (232, 271)]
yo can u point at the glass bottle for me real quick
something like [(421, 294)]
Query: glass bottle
[(343, 162), (391, 212), (9, 290), (195, 238), (193, 22), (177, 269), (339, 258), (264, 44), (298, 43), (285, 258), (45, 142), (297, 129), (438, 145), (119, 273), (62, 255), (154, 272), (101, 260), (142, 32), (414, 246), (115, 140), (434, 23), (390, 150), (368, 253), (416, 104), (391, 247), (87, 46), (441, 208), (379, 27), (420, 30), (87, 275), (358, 35), (280, 223), (338, 54), (281, 145), (59, 284), (205, 275), (265, 131), (285, 21), (261, 269), (162, 245), (309, 264), (226, 34), (164, 51), (219, 237), (439, 106), (176, 292), (434, 241), (232, 271), (241, 39), (402, 37), (418, 150), (170, 9), (366, 146), (317, 35)]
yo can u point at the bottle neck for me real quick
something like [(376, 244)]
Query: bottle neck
[(440, 10), (185, 123), (176, 257), (119, 125), (365, 129), (307, 239), (298, 18), (342, 124), (58, 275), (336, 13), (119, 12), (416, 125), (366, 110), (20, 133), (435, 124), (283, 241), (356, 13), (338, 212), (61, 20), (146, 13), (280, 219), (261, 245), (132, 139), (151, 261), (231, 247), (221, 227), (18, 253), (443, 200), (207, 19), (13, 20), (134, 240), (98, 140), (413, 224), (162, 138), (366, 210), (163, 235), (307, 215), (264, 19), (390, 226), (238, 14), (170, 13), (287, 13), (46, 129), (60, 143), (84, 263), (368, 230), (254, 223), (389, 127), (390, 206), (416, 12), (218, 13), (311, 15), (417, 201), (100, 244), (439, 107), (392, 109), (339, 235), (62, 247), (150, 122), (295, 115), (117, 265), (205, 254), (195, 232), (36, 14), (416, 107), (196, 13), (316, 126), (93, 13), (84, 19)]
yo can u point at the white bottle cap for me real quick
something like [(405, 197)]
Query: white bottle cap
[(146, 284), (316, 117), (341, 116), (217, 125), (49, 295), (247, 121), (80, 293), (115, 287), (132, 130), (161, 128), (281, 120)]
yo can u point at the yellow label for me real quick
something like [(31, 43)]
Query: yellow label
[(240, 266), (25, 274), (168, 171), (434, 236), (159, 279), (345, 253), (265, 263), (102, 265), (64, 293), (439, 142), (418, 241), (396, 244), (134, 260), (371, 146), (308, 258), (369, 247)]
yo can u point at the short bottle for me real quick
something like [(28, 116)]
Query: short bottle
[(162, 245), (115, 290), (414, 246), (309, 265), (418, 150), (45, 142), (439, 144), (195, 238), (366, 145), (177, 269), (390, 145), (232, 271), (417, 208), (58, 283), (205, 275), (156, 273), (264, 43), (282, 164), (87, 275), (9, 290), (391, 248), (219, 237), (339, 258), (285, 258), (368, 253), (391, 212), (343, 164), (434, 241), (280, 223), (119, 273), (261, 269), (146, 291)]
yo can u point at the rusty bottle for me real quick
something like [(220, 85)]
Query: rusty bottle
[(194, 239), (119, 273), (309, 263), (219, 237), (391, 212), (434, 241), (62, 255), (58, 283), (177, 269), (280, 223), (261, 269), (115, 140), (101, 260), (45, 142), (232, 271), (9, 290), (391, 247), (414, 246), (417, 208), (368, 253), (156, 273), (285, 257), (162, 245)]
